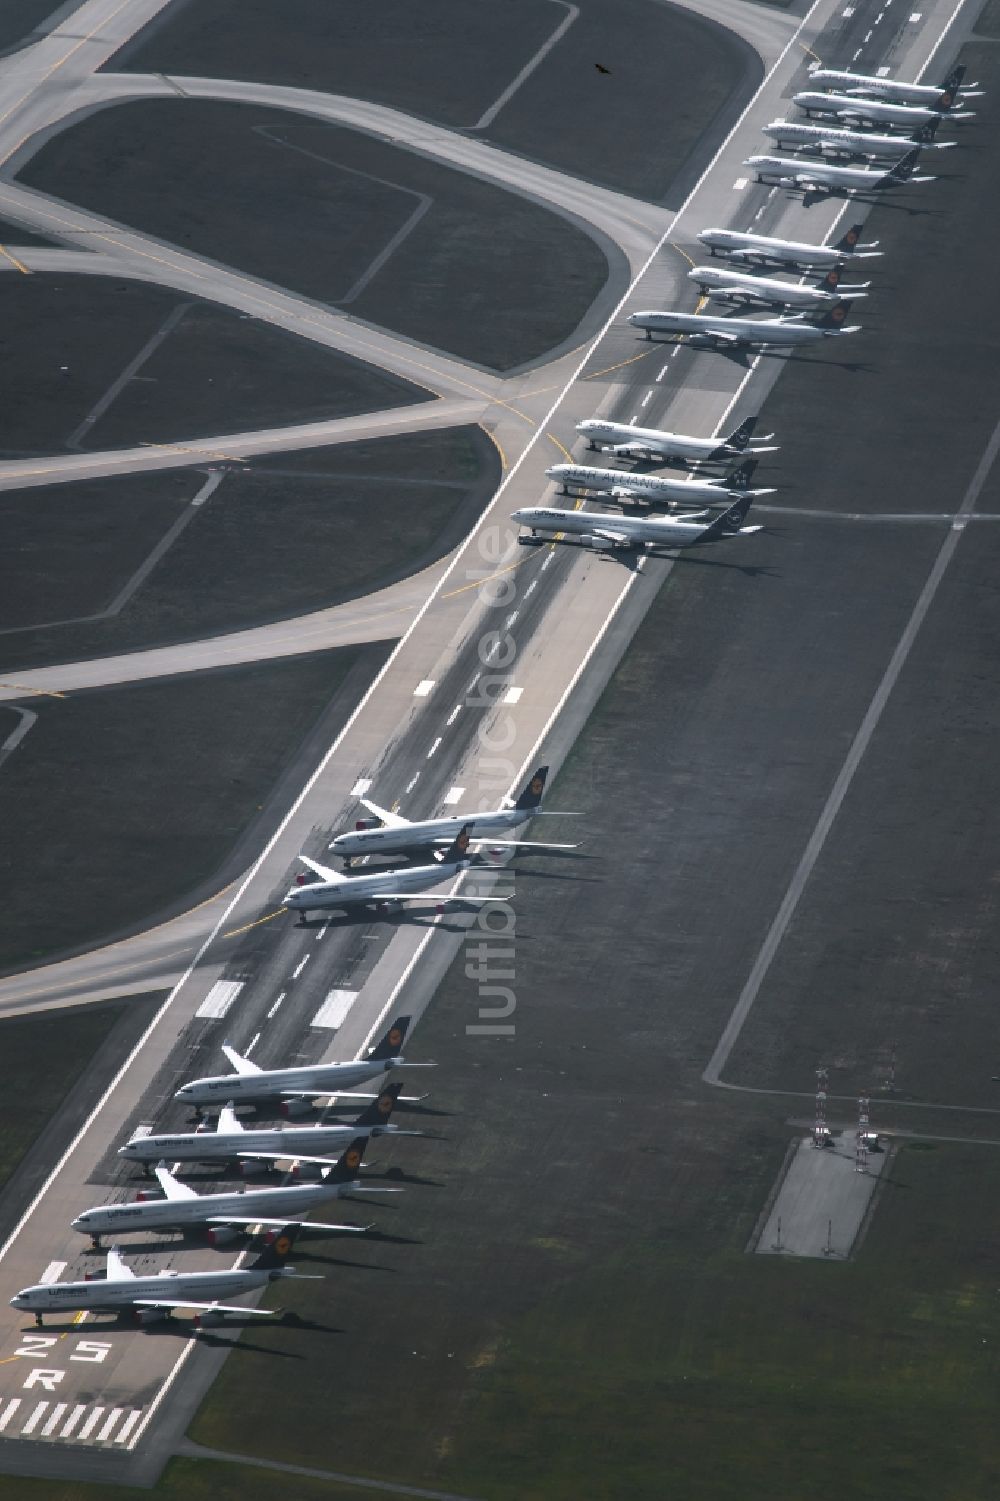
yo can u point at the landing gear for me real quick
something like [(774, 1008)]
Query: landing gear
[(38, 1321), (95, 1242)]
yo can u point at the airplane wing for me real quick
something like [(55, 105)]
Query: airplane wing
[(229, 1120), (526, 844), (288, 1157), (240, 1064), (260, 1313), (324, 871), (718, 334), (170, 1185), (117, 1270), (255, 1219), (389, 896), (391, 820), (620, 539)]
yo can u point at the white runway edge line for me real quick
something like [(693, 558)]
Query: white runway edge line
[(813, 849), (386, 666)]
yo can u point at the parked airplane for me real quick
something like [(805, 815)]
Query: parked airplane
[(713, 330), (941, 96), (227, 1213), (654, 489), (397, 833), (850, 144), (764, 250), (156, 1296), (607, 532), (383, 889), (302, 1082), (825, 177), (653, 447), (879, 112), (231, 1141), (723, 284)]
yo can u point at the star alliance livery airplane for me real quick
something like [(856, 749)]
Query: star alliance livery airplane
[(941, 96), (851, 144), (609, 532), (878, 112), (650, 446), (654, 489)]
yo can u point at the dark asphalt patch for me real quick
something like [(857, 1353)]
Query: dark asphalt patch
[(70, 339), (479, 272), (293, 533), (121, 805), (444, 59)]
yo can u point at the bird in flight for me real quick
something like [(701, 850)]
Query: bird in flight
[(601, 68)]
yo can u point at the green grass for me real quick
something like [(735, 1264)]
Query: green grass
[(189, 1480)]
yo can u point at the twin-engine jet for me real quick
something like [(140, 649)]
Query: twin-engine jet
[(726, 285), (942, 95), (155, 1297), (398, 834), (231, 1141), (877, 111), (750, 249), (226, 1214), (654, 489), (302, 1082), (712, 330), (850, 144), (609, 532), (650, 446), (824, 177), (384, 889)]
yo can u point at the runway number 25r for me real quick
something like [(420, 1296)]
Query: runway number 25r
[(38, 1346)]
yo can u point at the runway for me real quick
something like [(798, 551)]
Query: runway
[(478, 689)]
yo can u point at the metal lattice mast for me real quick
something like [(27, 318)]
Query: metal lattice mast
[(821, 1131), (861, 1150)]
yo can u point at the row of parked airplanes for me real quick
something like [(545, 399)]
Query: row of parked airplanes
[(815, 307), (277, 1212)]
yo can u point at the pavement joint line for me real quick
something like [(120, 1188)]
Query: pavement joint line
[(845, 777), (132, 369), (391, 1487), (490, 115)]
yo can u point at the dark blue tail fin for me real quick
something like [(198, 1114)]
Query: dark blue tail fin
[(532, 794)]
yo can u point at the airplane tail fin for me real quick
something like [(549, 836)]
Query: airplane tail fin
[(906, 166), (276, 1252), (949, 90), (730, 520), (459, 847), (390, 1044), (829, 281), (834, 317), (927, 132), (741, 477), (739, 438), (531, 797), (380, 1109), (346, 1166), (850, 241)]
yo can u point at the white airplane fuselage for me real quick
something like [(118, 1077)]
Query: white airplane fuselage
[(791, 170), (108, 1297), (151, 1214), (303, 1079), (844, 106), (648, 487), (847, 142), (225, 1146), (766, 250), (879, 88), (378, 887), (748, 331), (659, 530), (765, 291), (650, 441), (427, 831)]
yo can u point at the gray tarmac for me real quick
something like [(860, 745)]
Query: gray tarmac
[(393, 237)]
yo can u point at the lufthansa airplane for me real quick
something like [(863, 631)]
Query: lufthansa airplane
[(712, 330), (651, 446), (824, 177), (867, 86), (608, 532), (875, 111), (850, 144), (725, 285), (765, 250), (654, 489)]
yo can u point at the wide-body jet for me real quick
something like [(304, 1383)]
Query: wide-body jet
[(384, 889), (610, 532), (651, 446), (712, 330), (723, 284), (654, 489), (942, 95), (831, 140), (878, 111), (826, 177), (749, 249)]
